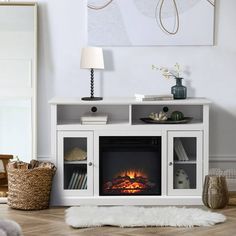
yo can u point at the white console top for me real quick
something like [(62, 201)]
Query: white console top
[(126, 101)]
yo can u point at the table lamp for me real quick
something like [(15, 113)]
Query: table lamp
[(92, 58)]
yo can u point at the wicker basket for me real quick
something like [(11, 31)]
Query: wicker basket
[(29, 189)]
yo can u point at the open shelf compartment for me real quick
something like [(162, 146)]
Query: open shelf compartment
[(71, 114), (143, 111)]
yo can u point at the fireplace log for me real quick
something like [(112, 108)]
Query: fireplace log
[(126, 184)]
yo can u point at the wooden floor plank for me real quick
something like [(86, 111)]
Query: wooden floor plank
[(51, 222)]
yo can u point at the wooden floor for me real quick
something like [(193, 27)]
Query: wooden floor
[(51, 222)]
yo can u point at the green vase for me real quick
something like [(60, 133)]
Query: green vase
[(179, 91)]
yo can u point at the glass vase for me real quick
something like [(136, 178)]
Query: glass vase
[(179, 91)]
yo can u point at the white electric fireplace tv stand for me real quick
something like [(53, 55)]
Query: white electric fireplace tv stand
[(128, 161)]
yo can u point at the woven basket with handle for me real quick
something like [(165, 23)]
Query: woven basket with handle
[(30, 189)]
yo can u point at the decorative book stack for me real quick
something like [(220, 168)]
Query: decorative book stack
[(78, 180), (179, 150), (94, 119), (142, 97)]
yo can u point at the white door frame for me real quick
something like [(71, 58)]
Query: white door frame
[(75, 134), (199, 162)]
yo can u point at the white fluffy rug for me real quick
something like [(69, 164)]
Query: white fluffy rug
[(134, 216), (10, 228)]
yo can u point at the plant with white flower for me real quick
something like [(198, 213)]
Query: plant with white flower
[(168, 73)]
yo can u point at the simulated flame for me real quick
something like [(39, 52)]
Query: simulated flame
[(132, 174), (129, 182)]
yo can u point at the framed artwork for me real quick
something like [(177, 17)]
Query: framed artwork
[(150, 22)]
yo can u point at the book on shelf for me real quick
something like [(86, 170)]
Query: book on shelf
[(75, 179), (84, 183), (179, 150), (71, 180), (93, 122), (78, 180), (81, 181), (94, 116), (143, 97)]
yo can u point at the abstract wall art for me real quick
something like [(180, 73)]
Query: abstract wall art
[(150, 22)]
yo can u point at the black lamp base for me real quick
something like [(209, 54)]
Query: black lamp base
[(91, 98)]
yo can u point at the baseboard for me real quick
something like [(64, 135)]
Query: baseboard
[(225, 158), (44, 158), (3, 200)]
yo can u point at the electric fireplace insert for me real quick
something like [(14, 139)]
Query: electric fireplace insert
[(129, 165)]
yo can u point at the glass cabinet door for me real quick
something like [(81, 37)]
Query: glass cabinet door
[(185, 163), (76, 162)]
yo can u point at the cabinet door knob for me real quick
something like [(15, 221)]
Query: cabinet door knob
[(90, 163), (170, 163)]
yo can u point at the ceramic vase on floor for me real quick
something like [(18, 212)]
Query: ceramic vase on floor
[(179, 91), (215, 192)]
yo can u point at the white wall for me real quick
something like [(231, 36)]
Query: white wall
[(211, 70)]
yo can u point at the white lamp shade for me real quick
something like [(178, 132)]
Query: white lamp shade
[(92, 58)]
